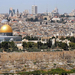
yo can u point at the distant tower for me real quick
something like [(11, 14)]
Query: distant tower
[(34, 9), (17, 12), (56, 9), (26, 12), (55, 12), (11, 11)]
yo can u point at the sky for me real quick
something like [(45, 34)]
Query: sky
[(64, 6)]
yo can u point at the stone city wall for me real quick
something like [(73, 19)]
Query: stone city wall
[(36, 55)]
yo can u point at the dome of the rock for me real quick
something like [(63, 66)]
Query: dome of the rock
[(6, 29)]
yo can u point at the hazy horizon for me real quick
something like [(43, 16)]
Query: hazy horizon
[(64, 6)]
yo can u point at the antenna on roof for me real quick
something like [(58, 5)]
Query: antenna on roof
[(47, 8)]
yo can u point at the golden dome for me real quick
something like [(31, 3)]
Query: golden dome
[(6, 29)]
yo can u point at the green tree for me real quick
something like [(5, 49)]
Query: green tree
[(24, 44), (72, 39), (29, 44), (72, 45), (30, 38), (11, 45), (0, 45), (4, 45), (62, 38), (35, 45), (53, 37), (62, 45), (49, 43), (39, 44)]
